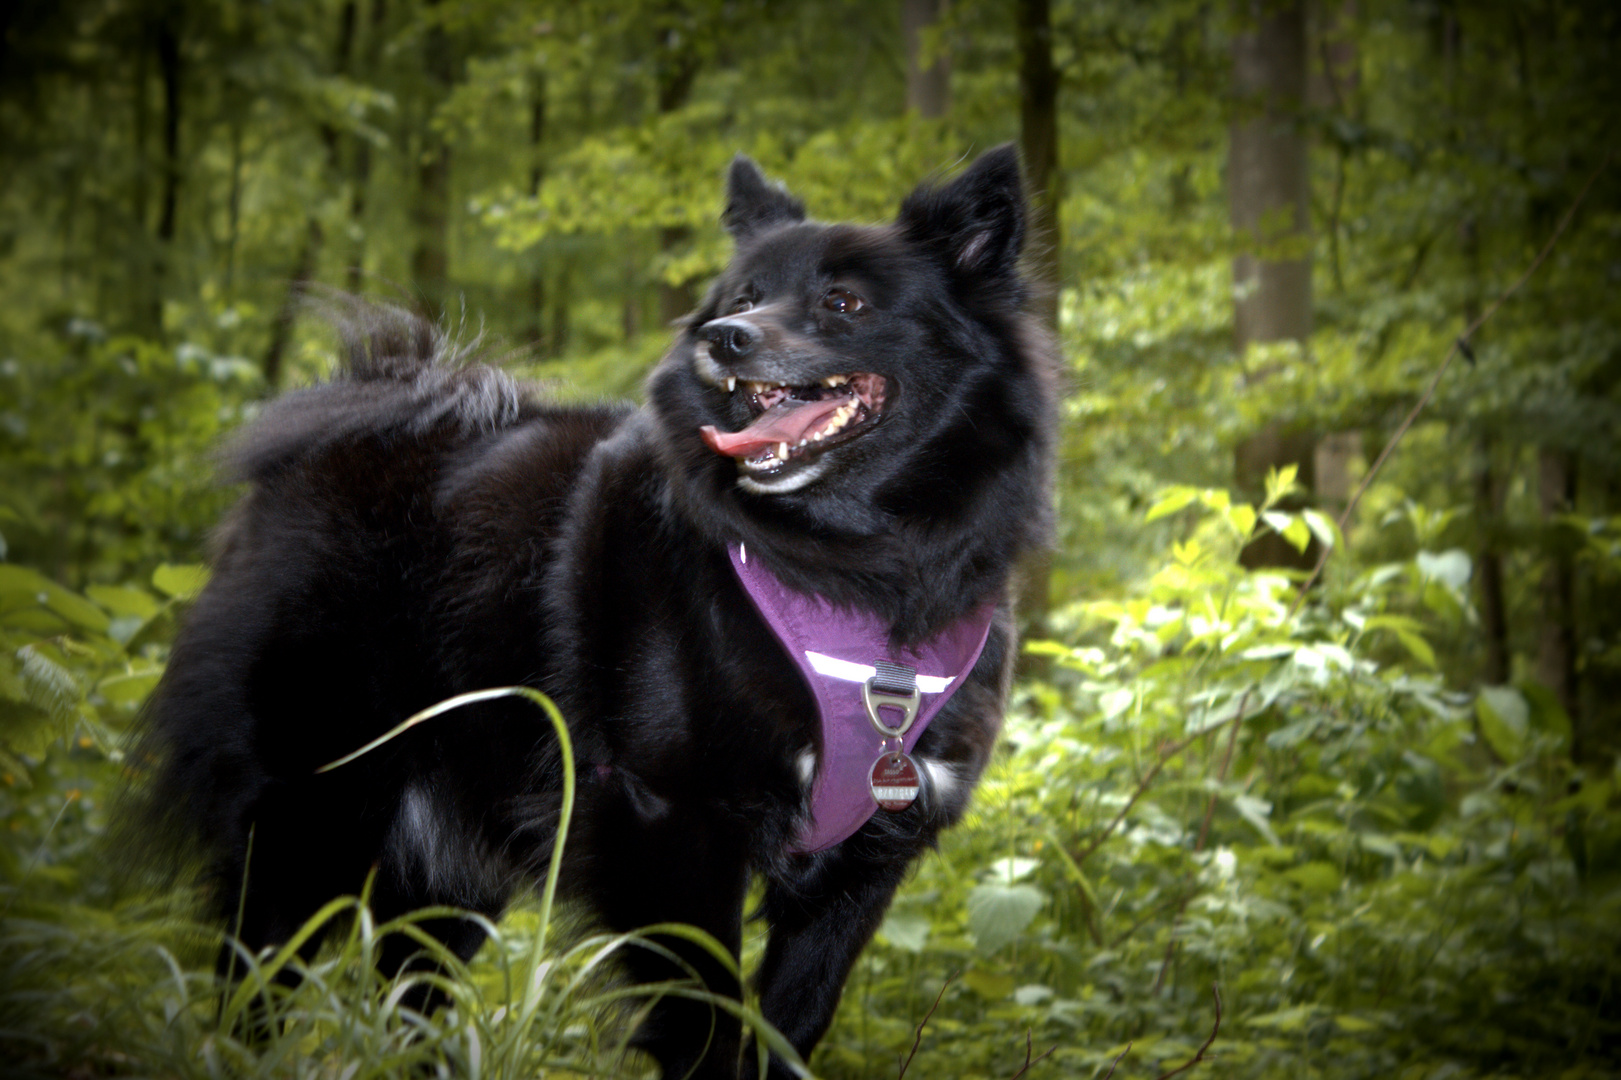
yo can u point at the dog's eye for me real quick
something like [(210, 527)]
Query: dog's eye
[(843, 301), (740, 305)]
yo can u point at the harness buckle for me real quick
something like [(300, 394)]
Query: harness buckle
[(874, 699)]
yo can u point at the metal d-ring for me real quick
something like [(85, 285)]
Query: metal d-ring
[(873, 698)]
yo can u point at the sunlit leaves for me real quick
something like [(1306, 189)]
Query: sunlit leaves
[(1505, 720), (180, 582)]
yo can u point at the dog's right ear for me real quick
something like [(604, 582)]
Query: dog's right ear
[(754, 203)]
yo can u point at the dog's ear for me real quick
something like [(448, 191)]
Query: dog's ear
[(754, 203), (975, 224)]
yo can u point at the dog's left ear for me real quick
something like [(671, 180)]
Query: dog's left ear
[(754, 203), (976, 222)]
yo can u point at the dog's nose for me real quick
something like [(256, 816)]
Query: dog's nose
[(730, 340)]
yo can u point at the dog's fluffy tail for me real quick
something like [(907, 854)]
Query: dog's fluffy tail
[(399, 374)]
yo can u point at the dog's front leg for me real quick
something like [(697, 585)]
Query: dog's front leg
[(821, 919), (656, 860)]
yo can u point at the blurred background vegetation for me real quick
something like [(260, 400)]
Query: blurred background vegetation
[(1377, 825)]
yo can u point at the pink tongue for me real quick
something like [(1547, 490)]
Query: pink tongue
[(786, 422)]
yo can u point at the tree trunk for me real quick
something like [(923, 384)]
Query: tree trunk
[(145, 308), (168, 49), (928, 89), (537, 173), (1597, 725), (1556, 646), (281, 328), (677, 69), (1495, 663), (1269, 193), (1268, 184), (1038, 140), (233, 207), (360, 179), (561, 299), (430, 216), (309, 249)]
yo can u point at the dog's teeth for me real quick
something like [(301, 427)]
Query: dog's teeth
[(782, 451), (731, 383)]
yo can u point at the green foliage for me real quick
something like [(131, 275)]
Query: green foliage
[(1386, 865), (88, 990), (1213, 789)]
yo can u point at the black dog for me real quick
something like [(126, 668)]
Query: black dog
[(856, 427)]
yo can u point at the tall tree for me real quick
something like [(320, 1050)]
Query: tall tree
[(677, 63), (430, 211), (1038, 140), (361, 160), (166, 32), (928, 85), (1269, 199), (314, 237)]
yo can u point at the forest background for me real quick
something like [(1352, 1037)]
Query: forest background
[(1369, 825)]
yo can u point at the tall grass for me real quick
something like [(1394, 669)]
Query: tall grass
[(87, 991)]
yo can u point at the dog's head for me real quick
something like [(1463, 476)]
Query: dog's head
[(841, 375)]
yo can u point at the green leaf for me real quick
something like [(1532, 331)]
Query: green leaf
[(1242, 519), (1418, 647), (19, 581), (1317, 877), (1280, 483), (1170, 501), (997, 914), (1504, 718), (1277, 520), (1290, 1019), (182, 582), (1451, 568), (125, 600), (128, 689), (1256, 812), (1298, 533), (1547, 714), (989, 985), (1324, 528), (1011, 869), (51, 687), (907, 931), (14, 578)]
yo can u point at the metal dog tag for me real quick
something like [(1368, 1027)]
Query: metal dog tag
[(894, 781)]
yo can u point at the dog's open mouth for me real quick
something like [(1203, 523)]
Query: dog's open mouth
[(795, 423)]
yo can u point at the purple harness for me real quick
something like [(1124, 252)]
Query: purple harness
[(843, 655)]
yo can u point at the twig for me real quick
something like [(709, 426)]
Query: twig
[(1027, 1062), (918, 1039), (1118, 1059), (1143, 785), (1226, 767), (1178, 902), (1198, 1057)]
